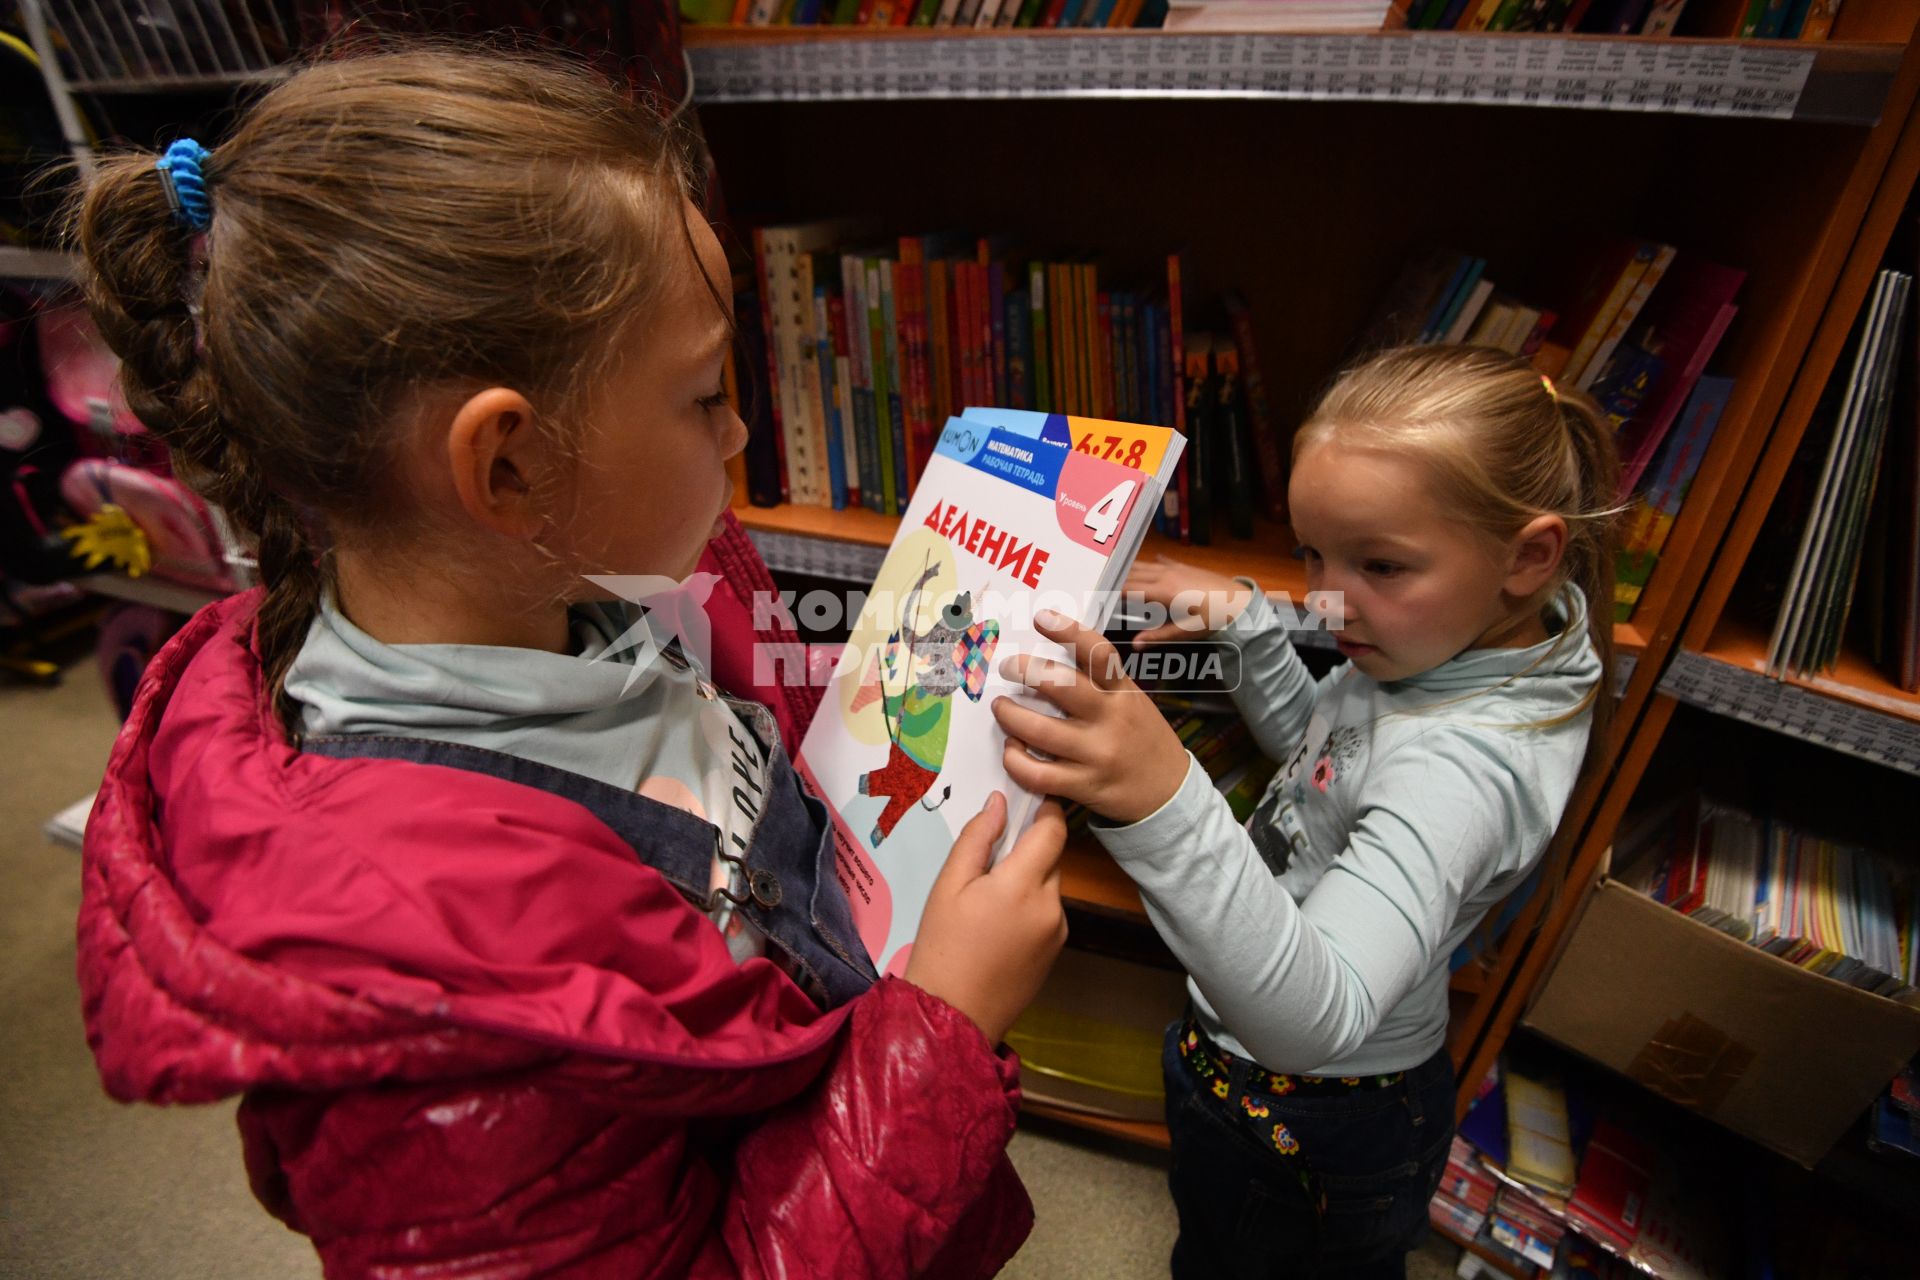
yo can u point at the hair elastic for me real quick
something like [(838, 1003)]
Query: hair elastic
[(1547, 382), (186, 184)]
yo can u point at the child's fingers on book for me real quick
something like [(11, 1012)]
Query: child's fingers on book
[(972, 851), (1058, 683), (1093, 653), (1037, 853), (1042, 777), (1036, 729)]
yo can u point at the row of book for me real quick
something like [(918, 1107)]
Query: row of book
[(1632, 322), (1540, 1182), (1835, 908), (975, 14), (1757, 20), (1761, 19), (870, 347), (1859, 534)]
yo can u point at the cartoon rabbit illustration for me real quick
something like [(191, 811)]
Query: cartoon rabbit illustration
[(950, 656)]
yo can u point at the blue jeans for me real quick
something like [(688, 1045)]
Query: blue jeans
[(1375, 1154)]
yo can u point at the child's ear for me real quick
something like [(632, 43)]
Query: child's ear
[(495, 457), (1534, 556)]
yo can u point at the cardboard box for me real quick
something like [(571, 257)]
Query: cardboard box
[(1091, 1038), (1770, 1050)]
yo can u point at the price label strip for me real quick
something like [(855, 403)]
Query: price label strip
[(1611, 75), (818, 557), (1786, 708)]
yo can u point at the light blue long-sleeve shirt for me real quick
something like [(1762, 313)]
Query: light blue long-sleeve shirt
[(1316, 937)]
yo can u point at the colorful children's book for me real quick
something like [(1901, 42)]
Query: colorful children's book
[(1016, 511)]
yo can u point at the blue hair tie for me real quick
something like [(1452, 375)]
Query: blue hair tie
[(186, 184)]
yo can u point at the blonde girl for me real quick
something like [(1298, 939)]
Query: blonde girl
[(1453, 510)]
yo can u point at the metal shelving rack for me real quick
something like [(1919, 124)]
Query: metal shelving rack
[(111, 46)]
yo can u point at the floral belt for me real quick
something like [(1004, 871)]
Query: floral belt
[(1210, 1062), (1243, 1088)]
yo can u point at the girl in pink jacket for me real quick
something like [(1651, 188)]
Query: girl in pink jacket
[(513, 927)]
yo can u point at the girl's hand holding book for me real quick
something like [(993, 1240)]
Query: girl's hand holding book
[(990, 933), (1111, 749), (1198, 601)]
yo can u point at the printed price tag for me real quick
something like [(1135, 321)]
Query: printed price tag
[(1416, 67)]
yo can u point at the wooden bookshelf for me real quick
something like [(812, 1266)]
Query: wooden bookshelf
[(1262, 195), (1835, 82), (1719, 661)]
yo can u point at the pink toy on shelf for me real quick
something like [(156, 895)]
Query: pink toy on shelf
[(189, 544)]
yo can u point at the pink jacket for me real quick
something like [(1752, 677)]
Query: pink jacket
[(475, 1037)]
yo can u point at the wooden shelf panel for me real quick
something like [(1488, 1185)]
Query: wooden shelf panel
[(17, 263), (850, 545), (1146, 1132), (1835, 82), (174, 597), (1853, 709), (1092, 881)]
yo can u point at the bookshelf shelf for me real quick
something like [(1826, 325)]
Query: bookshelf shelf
[(17, 263), (1854, 709), (1839, 83), (850, 545), (172, 596), (1146, 1132), (1092, 881)]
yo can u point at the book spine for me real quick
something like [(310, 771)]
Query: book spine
[(926, 430), (1060, 305), (996, 323), (803, 464), (853, 275), (896, 389), (903, 329), (939, 362), (814, 392), (764, 272), (1019, 350), (967, 336), (1260, 424), (1236, 466), (1043, 399), (1820, 18), (829, 401), (1150, 365), (1197, 522), (844, 396), (1103, 346), (1176, 367), (1092, 349), (1632, 465), (1623, 319), (882, 391)]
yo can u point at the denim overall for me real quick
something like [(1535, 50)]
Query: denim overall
[(783, 884)]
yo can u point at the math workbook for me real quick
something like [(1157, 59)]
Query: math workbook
[(1015, 512)]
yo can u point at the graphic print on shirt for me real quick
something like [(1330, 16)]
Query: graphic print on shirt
[(1275, 827)]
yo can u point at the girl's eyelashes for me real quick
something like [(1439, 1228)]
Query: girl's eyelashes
[(714, 401), (1380, 568)]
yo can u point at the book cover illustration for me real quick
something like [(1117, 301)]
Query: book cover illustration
[(1016, 511)]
